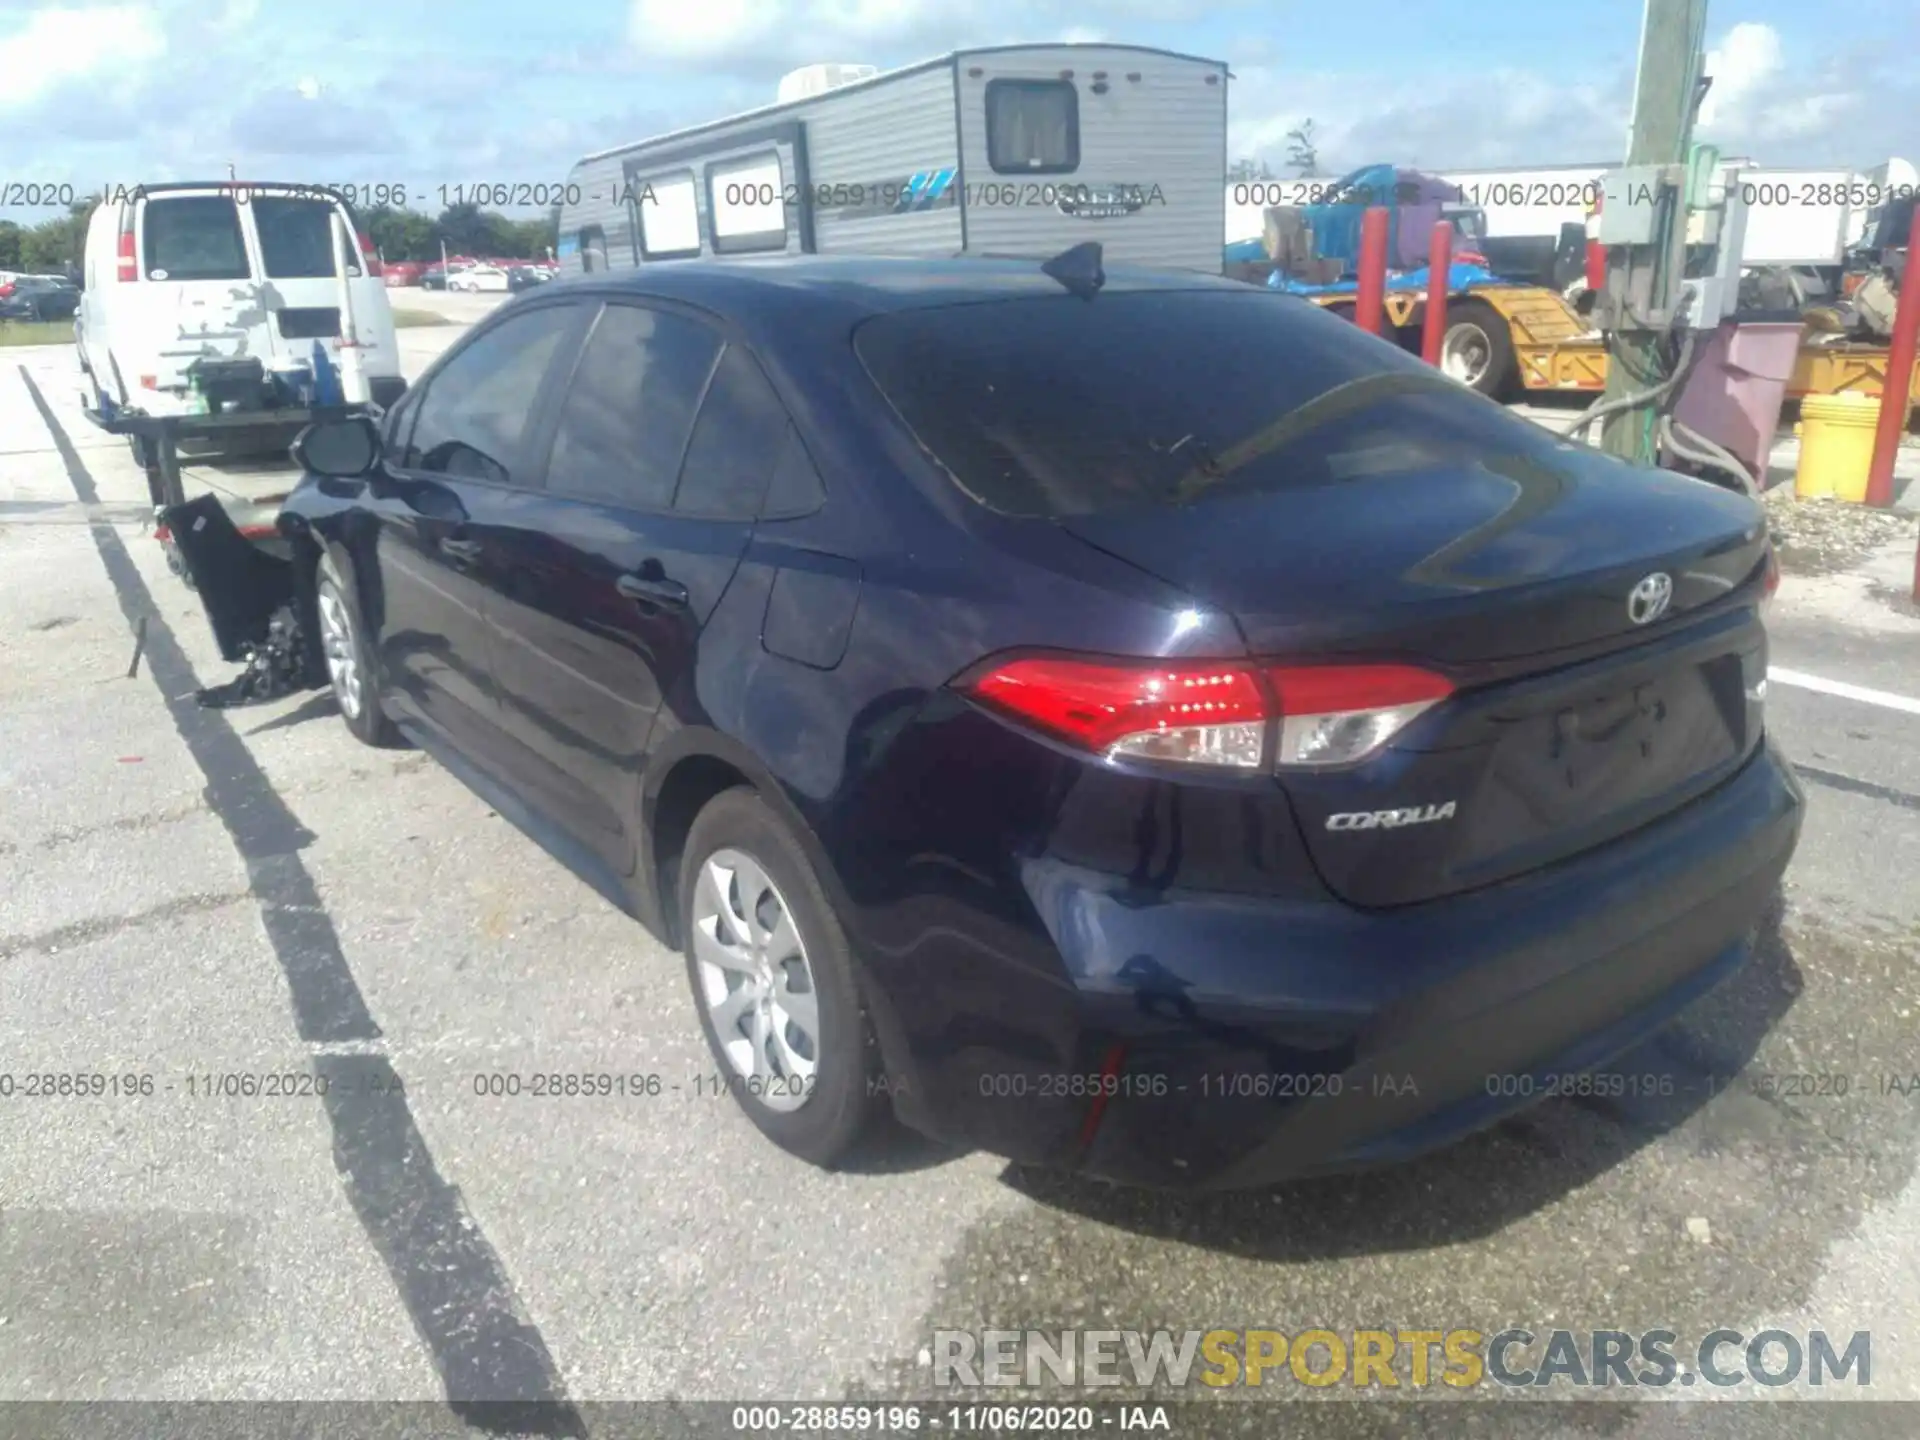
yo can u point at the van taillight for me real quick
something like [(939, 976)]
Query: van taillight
[(370, 256), (129, 266)]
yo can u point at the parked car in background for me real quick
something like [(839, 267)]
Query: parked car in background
[(401, 273), (38, 297), (434, 277), (526, 277), (479, 277), (1158, 683)]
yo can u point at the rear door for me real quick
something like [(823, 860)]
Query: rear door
[(293, 235), (661, 449), (197, 292)]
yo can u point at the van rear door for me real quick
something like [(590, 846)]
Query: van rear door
[(196, 294), (294, 235)]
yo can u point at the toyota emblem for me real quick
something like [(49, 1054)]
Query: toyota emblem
[(1648, 600)]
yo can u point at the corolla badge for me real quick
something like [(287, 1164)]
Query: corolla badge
[(1648, 600), (1390, 819)]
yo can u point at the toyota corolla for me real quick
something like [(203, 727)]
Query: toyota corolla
[(1124, 721)]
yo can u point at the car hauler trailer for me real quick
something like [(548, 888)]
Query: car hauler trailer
[(1021, 151)]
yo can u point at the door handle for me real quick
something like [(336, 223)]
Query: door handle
[(464, 551), (670, 594)]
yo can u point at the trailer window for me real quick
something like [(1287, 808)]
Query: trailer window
[(745, 199), (296, 238), (1033, 127), (669, 217), (193, 237)]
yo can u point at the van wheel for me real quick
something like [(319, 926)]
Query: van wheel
[(349, 669), (1477, 347), (773, 979)]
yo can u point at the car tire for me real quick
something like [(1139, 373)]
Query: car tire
[(1477, 348), (343, 645), (744, 871)]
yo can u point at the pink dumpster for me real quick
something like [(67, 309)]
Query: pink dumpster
[(1738, 384)]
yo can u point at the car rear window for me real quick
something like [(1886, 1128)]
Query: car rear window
[(296, 237), (1056, 406), (194, 237)]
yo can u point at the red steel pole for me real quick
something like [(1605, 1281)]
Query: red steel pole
[(1439, 267), (1898, 392), (1373, 269)]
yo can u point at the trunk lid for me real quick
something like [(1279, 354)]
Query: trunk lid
[(1576, 719)]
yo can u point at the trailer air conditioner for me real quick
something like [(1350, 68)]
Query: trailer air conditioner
[(811, 80)]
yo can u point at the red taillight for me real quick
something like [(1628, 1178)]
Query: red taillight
[(129, 265), (6, 289), (1212, 712), (372, 256), (1204, 714)]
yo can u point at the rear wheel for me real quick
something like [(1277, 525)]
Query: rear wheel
[(349, 669), (1477, 347), (773, 979)]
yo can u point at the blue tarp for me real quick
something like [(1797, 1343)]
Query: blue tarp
[(1459, 277)]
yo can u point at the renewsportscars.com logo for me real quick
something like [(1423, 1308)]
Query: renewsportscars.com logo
[(1514, 1358)]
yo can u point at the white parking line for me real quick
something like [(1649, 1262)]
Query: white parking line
[(1884, 698)]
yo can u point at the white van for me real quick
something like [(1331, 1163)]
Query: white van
[(223, 271)]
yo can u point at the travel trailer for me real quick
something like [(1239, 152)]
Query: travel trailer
[(1014, 151)]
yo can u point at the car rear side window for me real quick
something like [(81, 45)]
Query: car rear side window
[(624, 426), (296, 238), (473, 416), (1057, 406), (736, 442), (193, 237)]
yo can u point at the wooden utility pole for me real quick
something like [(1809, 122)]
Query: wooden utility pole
[(1671, 35)]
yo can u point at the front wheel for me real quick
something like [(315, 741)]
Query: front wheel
[(773, 979), (349, 668)]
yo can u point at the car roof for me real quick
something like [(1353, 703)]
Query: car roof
[(853, 287)]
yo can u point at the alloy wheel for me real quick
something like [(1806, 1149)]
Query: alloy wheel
[(755, 981), (343, 656)]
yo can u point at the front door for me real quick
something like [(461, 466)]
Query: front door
[(463, 447)]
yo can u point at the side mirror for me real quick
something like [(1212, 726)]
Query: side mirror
[(344, 449)]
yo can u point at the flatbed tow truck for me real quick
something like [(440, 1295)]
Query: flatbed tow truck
[(163, 435), (1502, 337)]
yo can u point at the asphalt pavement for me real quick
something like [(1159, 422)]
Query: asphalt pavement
[(193, 895)]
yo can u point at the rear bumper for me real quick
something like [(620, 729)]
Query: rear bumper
[(1239, 1041)]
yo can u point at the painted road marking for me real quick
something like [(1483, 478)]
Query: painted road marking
[(1884, 698)]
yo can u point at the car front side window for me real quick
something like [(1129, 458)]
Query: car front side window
[(473, 418)]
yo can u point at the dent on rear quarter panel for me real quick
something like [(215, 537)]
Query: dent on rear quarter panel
[(810, 608)]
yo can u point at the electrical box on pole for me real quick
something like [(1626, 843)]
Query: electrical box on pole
[(1643, 222)]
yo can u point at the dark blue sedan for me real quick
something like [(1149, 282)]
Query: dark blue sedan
[(1124, 721)]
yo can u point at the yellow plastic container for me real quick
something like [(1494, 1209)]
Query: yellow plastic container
[(1836, 445)]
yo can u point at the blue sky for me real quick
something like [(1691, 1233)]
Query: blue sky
[(479, 92)]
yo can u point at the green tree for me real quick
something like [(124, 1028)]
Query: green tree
[(402, 234), (1249, 169), (54, 246), (10, 238), (1302, 152)]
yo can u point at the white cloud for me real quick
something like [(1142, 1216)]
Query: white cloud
[(59, 45), (752, 34), (1743, 65), (307, 87)]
